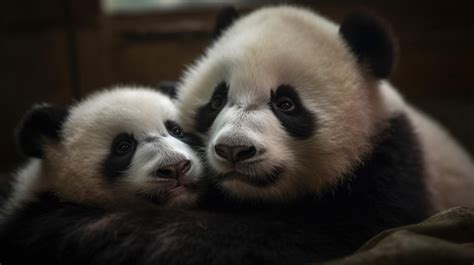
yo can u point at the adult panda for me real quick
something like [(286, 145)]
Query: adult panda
[(291, 230), (290, 105)]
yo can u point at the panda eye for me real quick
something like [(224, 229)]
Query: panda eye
[(285, 105), (217, 102), (176, 131), (123, 147)]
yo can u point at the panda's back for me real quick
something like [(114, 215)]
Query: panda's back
[(448, 170)]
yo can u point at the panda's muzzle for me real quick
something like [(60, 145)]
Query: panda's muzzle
[(236, 153)]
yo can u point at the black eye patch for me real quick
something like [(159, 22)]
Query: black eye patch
[(122, 149), (187, 138), (208, 113), (286, 104), (174, 129)]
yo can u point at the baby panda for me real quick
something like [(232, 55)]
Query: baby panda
[(291, 105), (117, 148)]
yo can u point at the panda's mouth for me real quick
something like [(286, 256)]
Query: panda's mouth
[(166, 195), (260, 180)]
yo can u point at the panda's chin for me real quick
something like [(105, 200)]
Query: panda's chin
[(175, 196), (155, 198), (263, 180)]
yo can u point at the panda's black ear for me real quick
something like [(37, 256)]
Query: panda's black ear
[(225, 18), (371, 41), (168, 88), (40, 124)]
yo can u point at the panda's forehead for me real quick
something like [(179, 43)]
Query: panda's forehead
[(253, 80), (113, 114), (246, 84)]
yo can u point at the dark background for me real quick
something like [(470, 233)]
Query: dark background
[(58, 50)]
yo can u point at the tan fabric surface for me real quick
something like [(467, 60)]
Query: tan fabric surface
[(445, 238)]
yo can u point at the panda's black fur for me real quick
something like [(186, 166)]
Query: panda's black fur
[(41, 120), (383, 191)]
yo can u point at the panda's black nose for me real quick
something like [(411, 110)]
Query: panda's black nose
[(236, 153), (174, 171)]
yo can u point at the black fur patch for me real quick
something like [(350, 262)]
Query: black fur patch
[(38, 124), (168, 88), (188, 138), (206, 115), (195, 142), (371, 42), (64, 233), (299, 123), (384, 191), (225, 18), (115, 164)]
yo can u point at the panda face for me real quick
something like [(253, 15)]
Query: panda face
[(249, 145), (253, 143), (125, 146), (282, 115)]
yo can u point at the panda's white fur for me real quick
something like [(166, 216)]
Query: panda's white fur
[(289, 45), (72, 167), (449, 170)]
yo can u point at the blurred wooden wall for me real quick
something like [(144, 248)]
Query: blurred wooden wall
[(57, 50)]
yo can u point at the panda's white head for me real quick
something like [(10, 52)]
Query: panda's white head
[(287, 101), (116, 148)]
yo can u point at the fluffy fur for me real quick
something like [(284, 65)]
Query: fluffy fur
[(337, 224), (338, 75), (80, 165), (360, 171)]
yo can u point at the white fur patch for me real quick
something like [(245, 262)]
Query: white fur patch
[(26, 184)]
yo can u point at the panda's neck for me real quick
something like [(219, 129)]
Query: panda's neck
[(388, 185)]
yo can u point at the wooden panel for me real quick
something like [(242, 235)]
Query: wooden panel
[(33, 68), (91, 59), (30, 15), (142, 50)]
